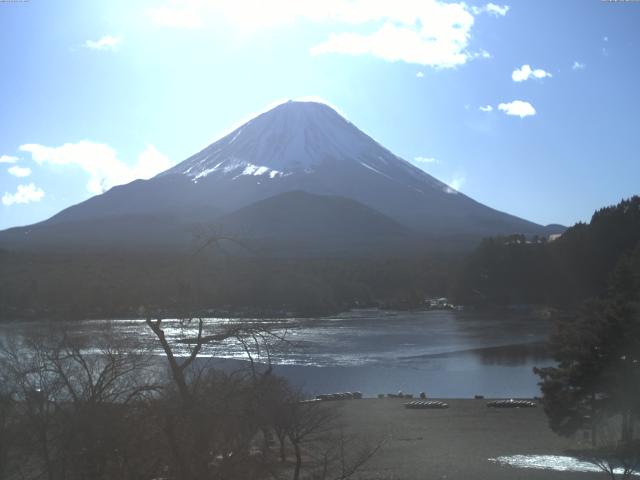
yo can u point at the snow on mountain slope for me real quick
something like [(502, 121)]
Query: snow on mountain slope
[(309, 146), (296, 138)]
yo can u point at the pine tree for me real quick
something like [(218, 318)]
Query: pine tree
[(598, 355)]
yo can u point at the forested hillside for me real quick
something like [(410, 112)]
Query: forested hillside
[(114, 285), (578, 265)]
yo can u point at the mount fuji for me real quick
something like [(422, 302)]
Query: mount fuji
[(299, 175)]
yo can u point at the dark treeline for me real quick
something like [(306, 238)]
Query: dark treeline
[(563, 272), (500, 271), (115, 285)]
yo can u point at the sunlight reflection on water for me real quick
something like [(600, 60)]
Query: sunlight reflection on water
[(448, 353), (550, 462)]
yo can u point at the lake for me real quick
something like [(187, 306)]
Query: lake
[(454, 354)]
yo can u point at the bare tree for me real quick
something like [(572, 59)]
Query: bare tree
[(212, 421), (73, 402), (613, 456), (319, 441), (7, 429), (306, 423), (343, 456)]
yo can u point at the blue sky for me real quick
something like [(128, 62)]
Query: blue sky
[(531, 107)]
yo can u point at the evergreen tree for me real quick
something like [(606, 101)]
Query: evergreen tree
[(598, 355)]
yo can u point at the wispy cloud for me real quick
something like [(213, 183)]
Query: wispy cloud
[(108, 42), (526, 72), (426, 160), (24, 194), (578, 66), (486, 108), (424, 32), (17, 171), (604, 50), (419, 74), (481, 54), (518, 108), (100, 162), (8, 159), (492, 8)]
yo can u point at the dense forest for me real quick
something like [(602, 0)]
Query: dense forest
[(500, 271), (562, 272), (117, 285)]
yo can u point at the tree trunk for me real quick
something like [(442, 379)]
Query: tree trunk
[(296, 473), (627, 427), (594, 442), (283, 453), (176, 369), (266, 441), (46, 454), (175, 448)]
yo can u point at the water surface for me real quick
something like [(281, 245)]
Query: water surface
[(443, 353)]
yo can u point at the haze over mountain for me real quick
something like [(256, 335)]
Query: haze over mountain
[(299, 174)]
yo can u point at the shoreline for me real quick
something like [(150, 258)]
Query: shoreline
[(373, 380), (537, 311)]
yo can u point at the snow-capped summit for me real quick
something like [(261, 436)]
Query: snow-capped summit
[(296, 137)]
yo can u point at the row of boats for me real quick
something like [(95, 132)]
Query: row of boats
[(340, 396), (511, 403), (402, 395), (507, 403), (423, 402)]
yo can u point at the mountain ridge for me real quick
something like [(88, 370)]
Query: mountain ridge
[(296, 146), (301, 222)]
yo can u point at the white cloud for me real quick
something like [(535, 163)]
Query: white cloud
[(486, 108), (497, 9), (492, 8), (426, 160), (425, 32), (526, 72), (150, 163), (578, 66), (108, 42), (100, 162), (455, 184), (517, 108), (419, 74), (24, 194), (17, 171), (8, 159)]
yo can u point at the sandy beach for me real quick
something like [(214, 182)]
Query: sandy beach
[(453, 443)]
